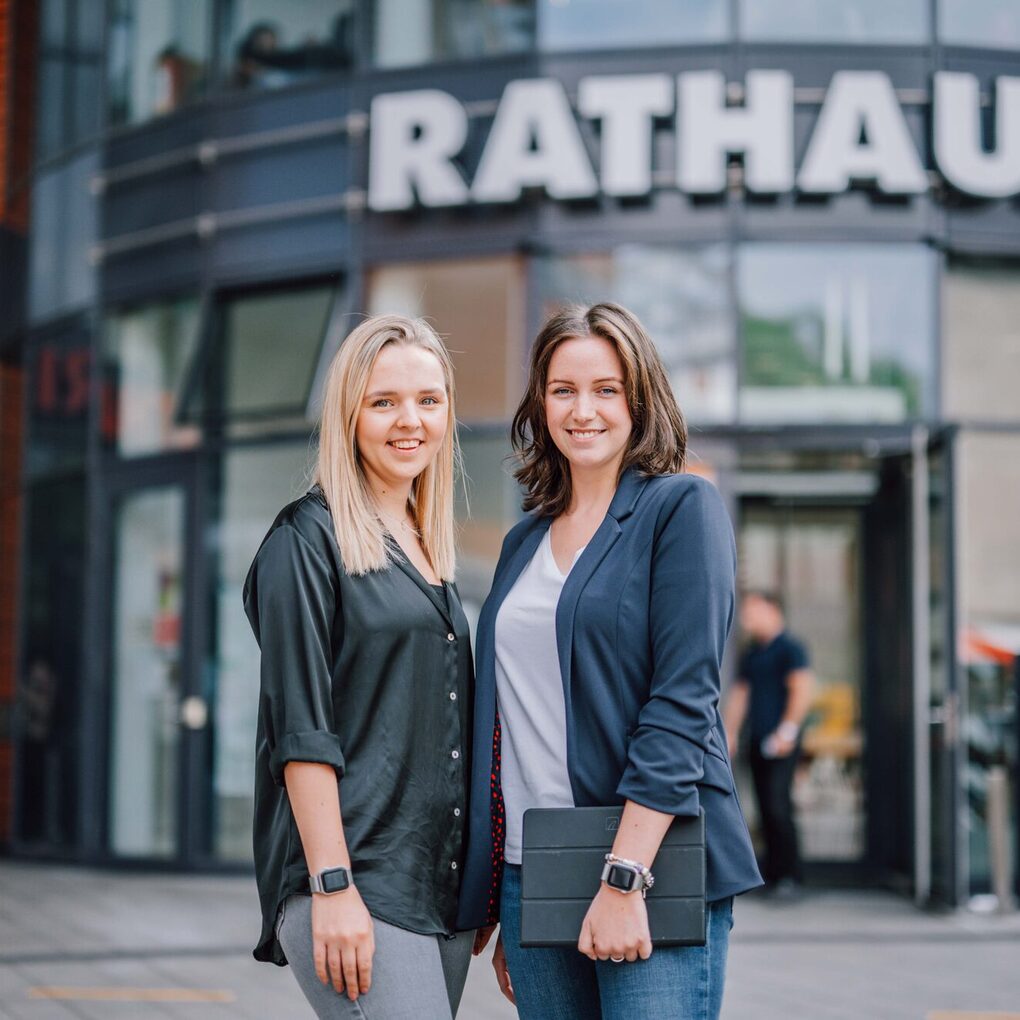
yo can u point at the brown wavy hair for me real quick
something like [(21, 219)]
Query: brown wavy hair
[(658, 439)]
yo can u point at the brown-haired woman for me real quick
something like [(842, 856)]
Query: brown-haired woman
[(597, 674)]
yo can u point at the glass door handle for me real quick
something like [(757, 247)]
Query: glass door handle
[(194, 713)]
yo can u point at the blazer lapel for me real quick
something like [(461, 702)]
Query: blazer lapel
[(609, 531)]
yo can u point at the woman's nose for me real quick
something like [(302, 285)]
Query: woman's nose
[(408, 416)]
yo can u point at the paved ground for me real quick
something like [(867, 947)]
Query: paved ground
[(835, 956)]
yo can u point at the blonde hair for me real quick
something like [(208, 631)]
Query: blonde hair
[(360, 533)]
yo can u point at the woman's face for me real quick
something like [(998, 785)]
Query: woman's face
[(586, 404), (404, 415)]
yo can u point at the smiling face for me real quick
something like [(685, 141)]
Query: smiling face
[(586, 404), (403, 418)]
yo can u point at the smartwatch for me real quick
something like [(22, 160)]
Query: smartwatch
[(626, 876), (331, 880)]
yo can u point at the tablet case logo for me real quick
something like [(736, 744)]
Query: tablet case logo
[(612, 823)]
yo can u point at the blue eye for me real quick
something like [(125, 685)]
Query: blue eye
[(382, 402)]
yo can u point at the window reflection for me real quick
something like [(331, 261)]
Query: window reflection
[(980, 23), (478, 306), (158, 53), (683, 299), (270, 343), (609, 24), (835, 332), (989, 643), (272, 43), (149, 351), (255, 483), (419, 31), (842, 21), (70, 72)]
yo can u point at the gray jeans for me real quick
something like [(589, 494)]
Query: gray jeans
[(413, 976)]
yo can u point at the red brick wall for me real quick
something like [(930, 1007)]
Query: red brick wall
[(18, 54), (18, 26), (10, 517)]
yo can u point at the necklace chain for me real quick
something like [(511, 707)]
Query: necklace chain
[(400, 523)]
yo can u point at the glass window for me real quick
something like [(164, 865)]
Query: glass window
[(682, 296), (255, 484), (491, 508), (981, 340), (841, 21), (610, 24), (478, 307), (64, 226), (988, 554), (836, 332), (158, 54), (148, 354), (418, 31), (70, 69), (980, 23), (271, 43), (59, 400), (147, 677), (47, 706), (270, 344)]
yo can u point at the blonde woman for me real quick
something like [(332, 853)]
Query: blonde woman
[(363, 725)]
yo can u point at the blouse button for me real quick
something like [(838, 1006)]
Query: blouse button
[(453, 695), (456, 812), (453, 864), (455, 755), (451, 637)]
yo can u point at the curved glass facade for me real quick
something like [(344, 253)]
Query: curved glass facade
[(192, 272)]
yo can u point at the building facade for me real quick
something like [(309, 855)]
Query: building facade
[(813, 208)]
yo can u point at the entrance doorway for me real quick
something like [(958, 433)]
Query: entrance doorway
[(811, 557), (842, 537), (156, 714)]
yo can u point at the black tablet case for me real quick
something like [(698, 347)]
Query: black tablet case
[(562, 858)]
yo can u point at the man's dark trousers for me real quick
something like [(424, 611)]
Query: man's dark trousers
[(773, 779)]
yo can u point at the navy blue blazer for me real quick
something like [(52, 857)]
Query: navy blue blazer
[(640, 627)]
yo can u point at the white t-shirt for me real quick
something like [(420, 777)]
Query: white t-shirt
[(529, 691)]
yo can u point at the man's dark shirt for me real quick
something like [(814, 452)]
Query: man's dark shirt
[(765, 668), (371, 675)]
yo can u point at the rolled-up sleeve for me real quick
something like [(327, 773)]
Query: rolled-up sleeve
[(290, 600), (692, 599)]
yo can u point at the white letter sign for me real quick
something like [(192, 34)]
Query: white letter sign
[(534, 142), (626, 104), (856, 101), (957, 128), (707, 130), (414, 136)]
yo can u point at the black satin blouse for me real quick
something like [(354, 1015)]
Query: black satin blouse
[(371, 675)]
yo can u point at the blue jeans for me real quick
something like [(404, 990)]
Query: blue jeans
[(674, 983)]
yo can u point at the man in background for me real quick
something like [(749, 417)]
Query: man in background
[(772, 693)]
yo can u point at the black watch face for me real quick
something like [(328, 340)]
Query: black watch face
[(335, 881), (620, 878)]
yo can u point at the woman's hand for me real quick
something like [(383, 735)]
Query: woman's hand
[(616, 925), (502, 974), (343, 941)]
